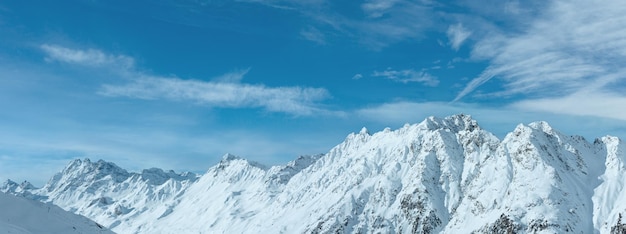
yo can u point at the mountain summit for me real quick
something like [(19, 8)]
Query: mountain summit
[(439, 176)]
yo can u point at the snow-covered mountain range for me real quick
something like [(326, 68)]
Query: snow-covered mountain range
[(439, 176)]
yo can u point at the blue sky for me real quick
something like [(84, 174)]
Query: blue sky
[(177, 84)]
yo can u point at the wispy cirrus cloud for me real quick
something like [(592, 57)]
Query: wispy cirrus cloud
[(225, 91), (378, 8), (313, 34), (572, 47), (608, 105), (291, 100), (388, 21), (408, 76), (382, 22), (457, 34), (288, 4), (232, 77), (89, 57)]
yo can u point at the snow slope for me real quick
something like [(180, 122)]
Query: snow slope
[(21, 215), (439, 176), (610, 197)]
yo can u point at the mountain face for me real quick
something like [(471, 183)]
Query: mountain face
[(115, 198), (439, 176), (21, 215)]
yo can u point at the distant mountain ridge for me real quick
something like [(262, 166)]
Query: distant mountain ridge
[(439, 176)]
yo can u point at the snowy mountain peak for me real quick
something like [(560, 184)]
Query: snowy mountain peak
[(304, 161), (454, 123), (364, 131), (530, 131), (10, 186), (542, 126), (282, 174), (612, 142), (157, 176), (230, 157), (230, 160), (409, 134), (86, 172), (99, 168), (79, 172), (26, 185), (109, 194)]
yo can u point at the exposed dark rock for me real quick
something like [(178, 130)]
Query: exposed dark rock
[(619, 228), (504, 225)]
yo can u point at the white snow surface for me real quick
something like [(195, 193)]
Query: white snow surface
[(439, 176), (23, 216)]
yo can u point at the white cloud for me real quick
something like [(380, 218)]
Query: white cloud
[(232, 77), (287, 4), (384, 22), (291, 100), (595, 104), (512, 7), (377, 8), (457, 34), (223, 91), (314, 35), (90, 57), (389, 22), (408, 76), (357, 76), (570, 47), (508, 12)]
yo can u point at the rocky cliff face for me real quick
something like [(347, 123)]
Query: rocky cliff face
[(439, 176)]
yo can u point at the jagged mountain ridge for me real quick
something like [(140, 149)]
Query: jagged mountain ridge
[(439, 176), (109, 194)]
